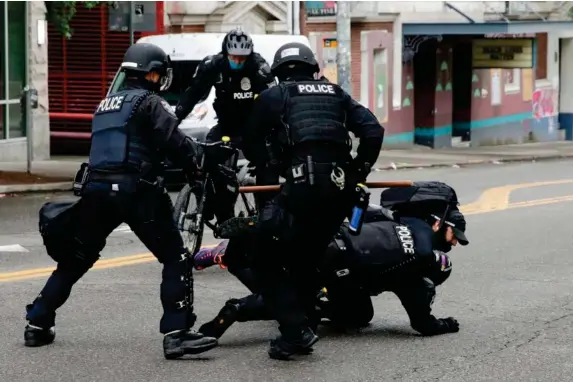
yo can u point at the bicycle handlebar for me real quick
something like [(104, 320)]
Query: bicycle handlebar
[(224, 142)]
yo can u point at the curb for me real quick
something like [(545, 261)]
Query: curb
[(528, 158), (67, 186), (22, 188)]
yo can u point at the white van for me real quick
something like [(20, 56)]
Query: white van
[(186, 50)]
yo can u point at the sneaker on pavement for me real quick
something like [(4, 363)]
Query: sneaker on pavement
[(207, 257)]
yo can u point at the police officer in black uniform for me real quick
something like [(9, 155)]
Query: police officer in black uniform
[(132, 132), (310, 120), (238, 75), (405, 257)]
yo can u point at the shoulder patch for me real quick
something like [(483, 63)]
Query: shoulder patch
[(168, 108)]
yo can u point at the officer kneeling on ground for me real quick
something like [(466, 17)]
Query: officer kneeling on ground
[(406, 257), (310, 121), (132, 132)]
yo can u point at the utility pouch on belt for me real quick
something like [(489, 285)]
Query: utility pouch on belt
[(317, 174), (81, 179)]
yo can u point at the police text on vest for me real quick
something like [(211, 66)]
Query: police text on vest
[(406, 239), (316, 89), (244, 95), (110, 104)]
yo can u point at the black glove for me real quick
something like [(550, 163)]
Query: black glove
[(358, 173)]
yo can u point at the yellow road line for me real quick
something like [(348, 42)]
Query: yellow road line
[(497, 198), (115, 262), (493, 199)]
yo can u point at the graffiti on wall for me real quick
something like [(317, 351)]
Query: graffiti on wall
[(443, 71), (544, 103)]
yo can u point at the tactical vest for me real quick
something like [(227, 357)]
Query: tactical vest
[(315, 111), (117, 145), (234, 99), (384, 248)]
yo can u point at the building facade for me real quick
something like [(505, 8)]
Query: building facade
[(23, 63), (412, 66)]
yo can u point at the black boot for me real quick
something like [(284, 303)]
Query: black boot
[(282, 348), (35, 336), (223, 321), (40, 329), (177, 344)]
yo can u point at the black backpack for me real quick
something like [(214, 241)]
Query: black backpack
[(420, 200)]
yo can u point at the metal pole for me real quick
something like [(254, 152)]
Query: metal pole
[(343, 45), (131, 12), (27, 106)]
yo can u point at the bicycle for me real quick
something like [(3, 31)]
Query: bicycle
[(189, 217)]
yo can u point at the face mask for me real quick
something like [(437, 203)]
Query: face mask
[(235, 66)]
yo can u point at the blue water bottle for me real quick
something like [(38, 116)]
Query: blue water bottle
[(359, 209)]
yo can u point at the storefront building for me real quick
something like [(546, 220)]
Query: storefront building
[(23, 62)]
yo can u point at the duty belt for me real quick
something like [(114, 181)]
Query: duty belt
[(310, 171)]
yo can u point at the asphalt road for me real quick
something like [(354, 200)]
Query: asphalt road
[(510, 290)]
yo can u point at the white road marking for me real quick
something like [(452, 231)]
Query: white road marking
[(13, 248)]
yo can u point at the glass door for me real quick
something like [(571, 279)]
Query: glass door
[(13, 67)]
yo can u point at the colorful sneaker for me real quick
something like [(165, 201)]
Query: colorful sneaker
[(236, 227), (207, 257)]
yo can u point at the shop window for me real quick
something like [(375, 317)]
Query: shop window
[(512, 80)]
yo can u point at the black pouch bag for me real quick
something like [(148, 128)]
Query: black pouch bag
[(56, 225)]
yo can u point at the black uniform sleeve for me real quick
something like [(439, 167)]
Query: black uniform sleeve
[(265, 117), (166, 134), (365, 126), (263, 78), (204, 78), (418, 298)]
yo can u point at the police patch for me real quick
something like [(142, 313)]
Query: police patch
[(406, 239), (168, 108), (245, 83), (316, 89), (110, 104)]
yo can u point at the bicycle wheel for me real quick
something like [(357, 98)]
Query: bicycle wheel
[(188, 217), (245, 205)]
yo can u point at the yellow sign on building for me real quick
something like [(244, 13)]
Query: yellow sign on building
[(502, 53)]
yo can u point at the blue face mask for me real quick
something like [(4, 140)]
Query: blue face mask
[(235, 66)]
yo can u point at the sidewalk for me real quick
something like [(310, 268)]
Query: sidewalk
[(421, 156), (58, 174)]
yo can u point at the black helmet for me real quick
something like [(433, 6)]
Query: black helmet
[(295, 53), (237, 43), (144, 58)]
